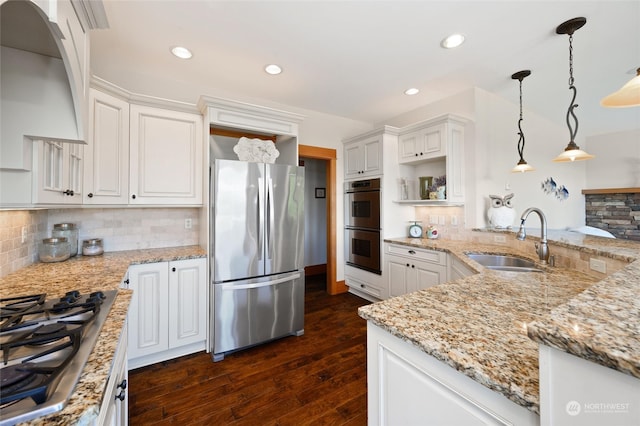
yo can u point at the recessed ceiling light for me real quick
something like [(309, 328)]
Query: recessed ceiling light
[(412, 91), (181, 52), (454, 40), (273, 69)]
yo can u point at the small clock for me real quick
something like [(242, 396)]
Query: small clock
[(415, 230)]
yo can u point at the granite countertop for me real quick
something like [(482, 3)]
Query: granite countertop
[(487, 325), (86, 274)]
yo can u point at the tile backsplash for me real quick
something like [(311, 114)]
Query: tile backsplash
[(120, 229), (14, 252)]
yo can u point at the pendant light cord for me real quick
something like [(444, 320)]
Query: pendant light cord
[(520, 132), (572, 131)]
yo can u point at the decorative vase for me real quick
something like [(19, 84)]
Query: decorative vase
[(425, 183), (433, 195), (441, 192)]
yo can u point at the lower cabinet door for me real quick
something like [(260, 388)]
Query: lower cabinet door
[(428, 275), (187, 302), (149, 309)]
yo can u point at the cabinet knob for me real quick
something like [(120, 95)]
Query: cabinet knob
[(126, 281), (362, 285), (416, 154), (90, 195), (413, 266), (412, 252), (421, 153), (68, 192), (121, 396), (123, 384), (133, 196), (407, 265), (173, 269)]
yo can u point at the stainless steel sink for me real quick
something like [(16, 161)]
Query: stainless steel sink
[(502, 262)]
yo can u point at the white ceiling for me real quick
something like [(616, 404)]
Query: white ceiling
[(355, 58)]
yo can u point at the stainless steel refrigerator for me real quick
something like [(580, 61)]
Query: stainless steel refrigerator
[(257, 215)]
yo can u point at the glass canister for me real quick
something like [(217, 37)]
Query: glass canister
[(92, 247), (54, 250), (69, 231)]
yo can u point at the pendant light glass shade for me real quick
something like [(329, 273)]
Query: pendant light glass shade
[(627, 96), (572, 152), (522, 165)]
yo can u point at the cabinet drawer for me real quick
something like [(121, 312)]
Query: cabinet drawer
[(364, 287), (432, 256)]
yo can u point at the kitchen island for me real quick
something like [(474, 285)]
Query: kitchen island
[(87, 274), (483, 325)]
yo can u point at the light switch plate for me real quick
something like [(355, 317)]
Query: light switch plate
[(598, 265)]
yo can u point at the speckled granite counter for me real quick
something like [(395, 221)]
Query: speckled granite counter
[(86, 274), (483, 325)]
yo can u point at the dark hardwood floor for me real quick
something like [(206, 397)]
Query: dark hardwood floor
[(318, 378)]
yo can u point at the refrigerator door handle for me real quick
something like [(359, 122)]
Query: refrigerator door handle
[(230, 286), (259, 206), (269, 219)]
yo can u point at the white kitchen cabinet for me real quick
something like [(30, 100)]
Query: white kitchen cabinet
[(423, 144), (411, 269), (435, 147), (57, 172), (406, 386), (363, 158), (457, 269), (365, 284), (168, 311), (578, 392), (114, 410), (106, 171), (166, 149)]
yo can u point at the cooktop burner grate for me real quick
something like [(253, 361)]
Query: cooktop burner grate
[(45, 344)]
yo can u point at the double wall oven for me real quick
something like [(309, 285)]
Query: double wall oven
[(362, 224)]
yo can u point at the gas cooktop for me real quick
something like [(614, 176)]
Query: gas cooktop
[(44, 345)]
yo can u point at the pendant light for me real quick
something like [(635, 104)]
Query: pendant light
[(522, 165), (572, 152), (627, 96)]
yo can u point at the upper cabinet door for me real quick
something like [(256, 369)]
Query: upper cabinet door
[(363, 158), (106, 172), (166, 157), (57, 172)]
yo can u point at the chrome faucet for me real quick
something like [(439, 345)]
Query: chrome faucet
[(543, 248)]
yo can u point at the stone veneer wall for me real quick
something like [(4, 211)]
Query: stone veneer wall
[(618, 213)]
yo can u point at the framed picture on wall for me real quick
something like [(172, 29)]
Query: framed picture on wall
[(321, 192)]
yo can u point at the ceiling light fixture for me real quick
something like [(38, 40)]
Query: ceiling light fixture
[(522, 165), (411, 91), (181, 52), (454, 40), (572, 152), (273, 69), (627, 96)]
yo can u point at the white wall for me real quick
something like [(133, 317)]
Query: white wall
[(315, 213), (617, 162)]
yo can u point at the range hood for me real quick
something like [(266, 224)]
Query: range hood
[(36, 98)]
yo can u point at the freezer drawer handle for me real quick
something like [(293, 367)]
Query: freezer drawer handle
[(258, 285)]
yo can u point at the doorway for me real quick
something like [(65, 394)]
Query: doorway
[(328, 155)]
